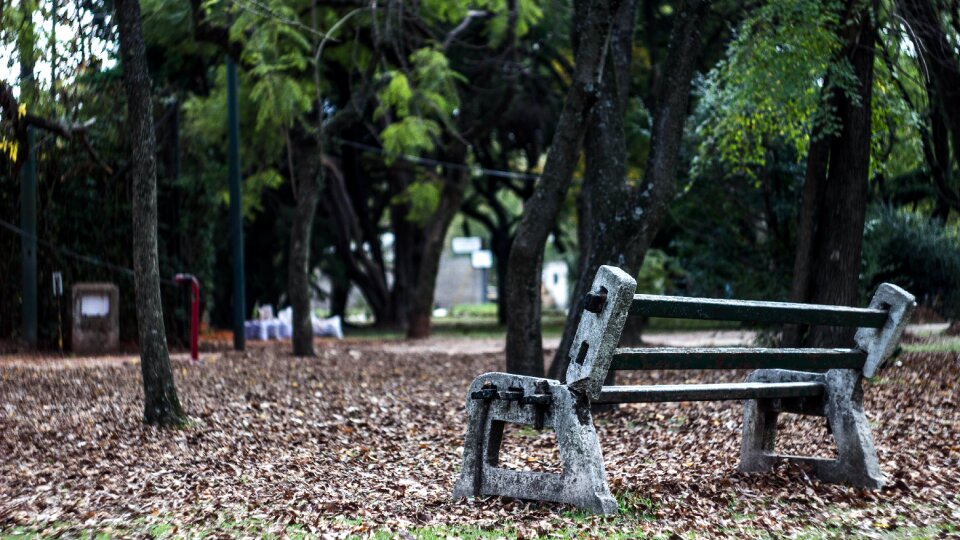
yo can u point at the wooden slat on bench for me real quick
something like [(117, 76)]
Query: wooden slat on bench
[(736, 358), (681, 307), (707, 392)]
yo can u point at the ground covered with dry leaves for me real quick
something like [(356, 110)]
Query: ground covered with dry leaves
[(366, 440)]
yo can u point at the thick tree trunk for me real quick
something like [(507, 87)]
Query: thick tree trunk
[(524, 345), (834, 256), (408, 251), (623, 221), (161, 405), (434, 236), (308, 173)]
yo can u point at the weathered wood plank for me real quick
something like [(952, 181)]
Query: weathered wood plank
[(681, 307), (707, 392), (736, 358)]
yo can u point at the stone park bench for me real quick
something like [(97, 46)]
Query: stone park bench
[(820, 382)]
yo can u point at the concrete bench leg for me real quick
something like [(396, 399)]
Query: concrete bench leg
[(583, 480), (759, 436), (842, 405)]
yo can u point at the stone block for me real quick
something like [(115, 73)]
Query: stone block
[(591, 351), (842, 405), (583, 481), (880, 343)]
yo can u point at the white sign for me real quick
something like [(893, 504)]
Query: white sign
[(482, 258), (466, 244), (95, 305)]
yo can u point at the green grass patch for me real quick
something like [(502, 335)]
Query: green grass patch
[(947, 345), (488, 310)]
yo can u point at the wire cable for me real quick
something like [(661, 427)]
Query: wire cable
[(436, 163), (89, 259)]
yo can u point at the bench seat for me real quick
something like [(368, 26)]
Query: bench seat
[(707, 392)]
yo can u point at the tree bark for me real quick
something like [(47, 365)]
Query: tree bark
[(940, 59), (941, 71), (308, 173), (810, 201), (622, 221), (524, 346), (434, 236), (352, 229), (836, 230), (161, 405)]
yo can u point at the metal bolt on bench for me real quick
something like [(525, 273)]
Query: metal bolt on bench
[(820, 382)]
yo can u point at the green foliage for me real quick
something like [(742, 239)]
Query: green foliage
[(529, 13), (423, 198), (396, 94), (734, 234), (657, 273), (279, 53), (280, 100), (417, 105), (774, 83), (410, 136), (770, 84), (917, 253), (205, 134), (253, 187)]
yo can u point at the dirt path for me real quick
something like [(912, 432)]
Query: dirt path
[(437, 345)]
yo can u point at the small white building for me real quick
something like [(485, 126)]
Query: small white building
[(556, 288)]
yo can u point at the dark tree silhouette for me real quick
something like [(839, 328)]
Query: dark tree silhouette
[(834, 199)]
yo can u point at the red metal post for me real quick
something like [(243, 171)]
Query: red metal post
[(194, 313)]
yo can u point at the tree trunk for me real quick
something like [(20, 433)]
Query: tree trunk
[(366, 272), (308, 171), (524, 346), (434, 236), (840, 204), (941, 70), (622, 221), (810, 202), (161, 405)]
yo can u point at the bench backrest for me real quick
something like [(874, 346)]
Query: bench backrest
[(612, 299)]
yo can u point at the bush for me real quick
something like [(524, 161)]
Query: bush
[(917, 253)]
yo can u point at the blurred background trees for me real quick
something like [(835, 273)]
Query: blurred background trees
[(372, 132)]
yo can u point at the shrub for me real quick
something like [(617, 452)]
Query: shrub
[(917, 253)]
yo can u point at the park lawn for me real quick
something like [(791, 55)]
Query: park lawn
[(365, 441)]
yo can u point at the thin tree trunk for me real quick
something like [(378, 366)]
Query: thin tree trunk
[(810, 201), (306, 195), (434, 236), (524, 343), (623, 221), (161, 405), (362, 270)]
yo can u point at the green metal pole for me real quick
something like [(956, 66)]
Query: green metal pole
[(28, 241), (236, 214)]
